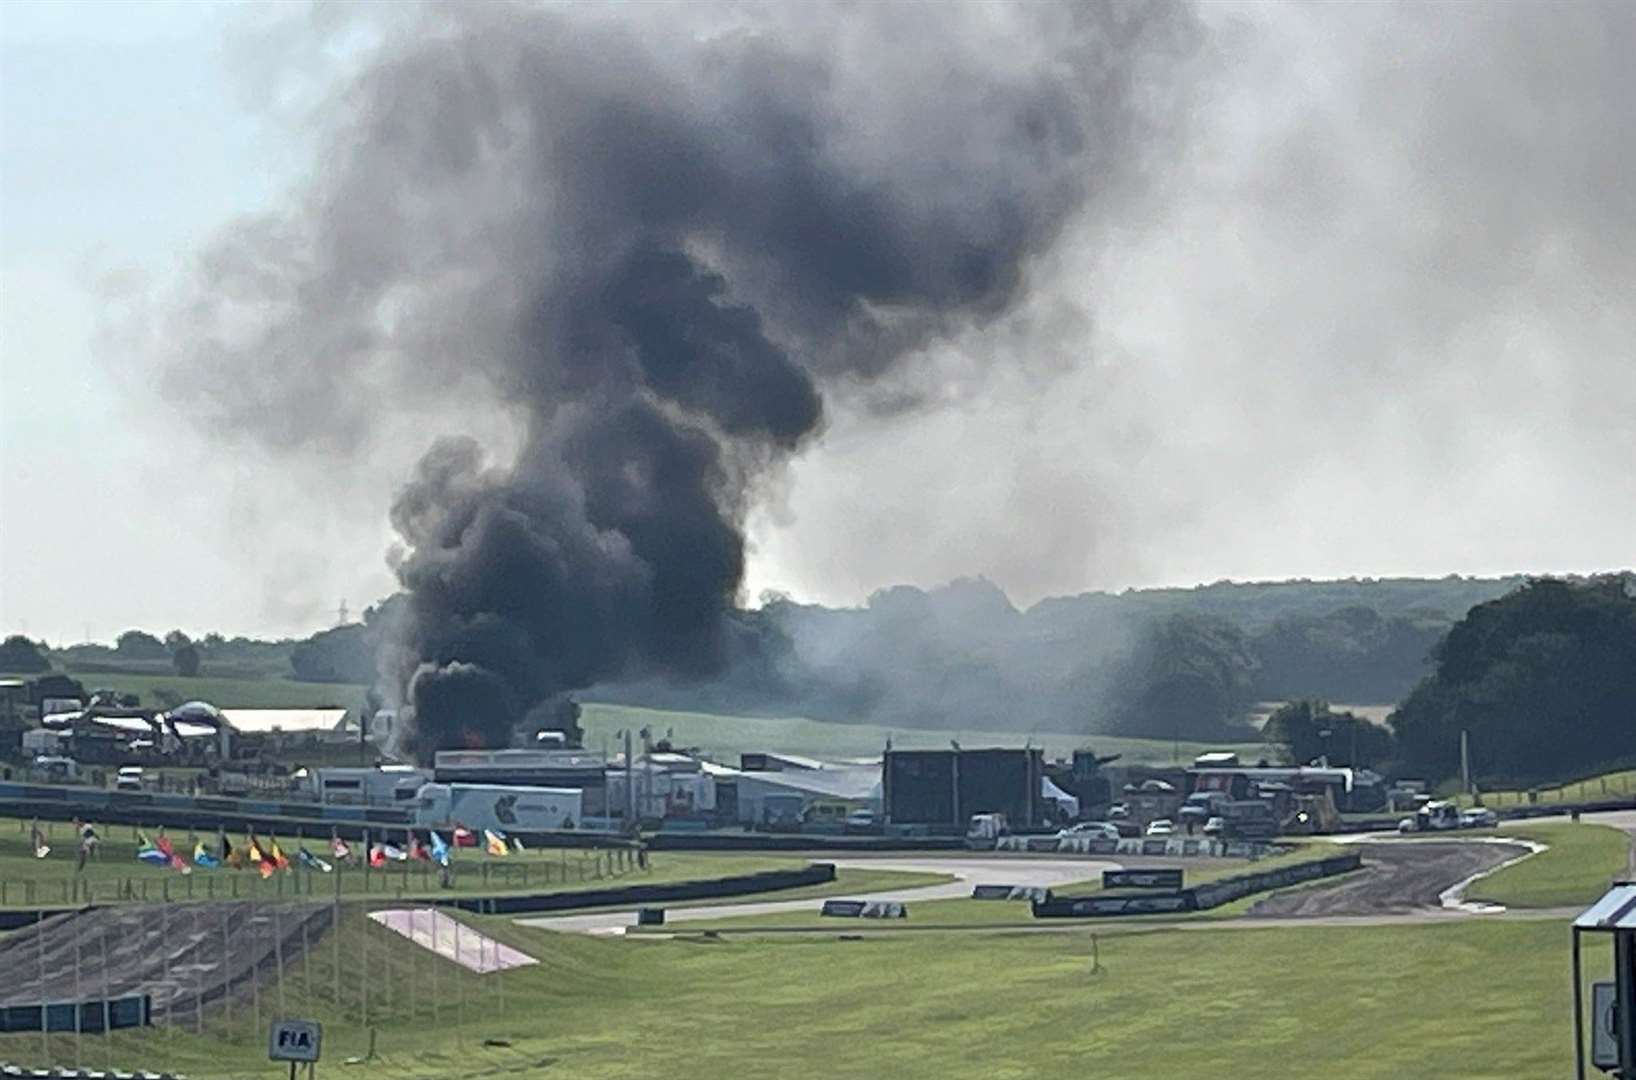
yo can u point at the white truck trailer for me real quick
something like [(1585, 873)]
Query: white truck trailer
[(506, 807)]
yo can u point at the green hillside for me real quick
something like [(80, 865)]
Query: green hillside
[(725, 737)]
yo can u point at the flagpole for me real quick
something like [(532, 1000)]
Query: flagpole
[(198, 976), (306, 965), (255, 975), (164, 952), (461, 976), (278, 958), (45, 1036), (363, 962), (335, 945), (413, 912), (227, 953), (79, 1010), (107, 1010)]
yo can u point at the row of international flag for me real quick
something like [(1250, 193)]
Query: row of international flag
[(268, 857)]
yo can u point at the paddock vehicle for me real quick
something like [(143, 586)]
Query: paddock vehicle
[(985, 829), (1438, 816)]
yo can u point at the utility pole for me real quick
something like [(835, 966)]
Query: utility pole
[(1465, 761), (630, 786), (647, 771)]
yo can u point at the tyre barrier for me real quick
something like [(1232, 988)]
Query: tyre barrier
[(1198, 897), (644, 895)]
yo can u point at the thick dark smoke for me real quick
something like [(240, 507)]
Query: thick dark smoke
[(655, 244)]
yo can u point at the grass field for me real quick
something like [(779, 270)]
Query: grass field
[(1305, 1002), (1582, 859), (725, 737), (226, 693), (1612, 785)]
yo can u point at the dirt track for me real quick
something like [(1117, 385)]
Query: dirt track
[(1397, 878)]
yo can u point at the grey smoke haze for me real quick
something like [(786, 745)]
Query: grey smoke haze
[(1260, 291), (654, 245), (1377, 318)]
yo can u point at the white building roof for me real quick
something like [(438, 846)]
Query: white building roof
[(856, 784), (259, 721), (1615, 911)]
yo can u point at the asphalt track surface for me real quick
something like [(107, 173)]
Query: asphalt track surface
[(1402, 882), (967, 870)]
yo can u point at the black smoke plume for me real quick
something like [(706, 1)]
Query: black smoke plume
[(656, 243)]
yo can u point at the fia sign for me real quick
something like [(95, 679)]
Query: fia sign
[(294, 1040)]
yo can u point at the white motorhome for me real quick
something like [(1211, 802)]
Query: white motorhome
[(383, 785), (505, 807)]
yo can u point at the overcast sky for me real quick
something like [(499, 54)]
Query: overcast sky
[(1370, 311)]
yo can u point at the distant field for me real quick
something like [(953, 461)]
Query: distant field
[(1613, 785), (725, 737), (225, 693), (1375, 714)]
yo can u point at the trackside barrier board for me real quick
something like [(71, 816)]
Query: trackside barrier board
[(865, 909), (449, 938), (1033, 893)]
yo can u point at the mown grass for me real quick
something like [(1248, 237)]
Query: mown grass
[(1613, 785), (1580, 862), (1300, 1002), (226, 692)]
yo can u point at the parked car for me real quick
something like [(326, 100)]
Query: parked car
[(1090, 830), (1162, 827), (861, 820), (129, 778), (1480, 817), (1215, 826), (1118, 810), (57, 770)]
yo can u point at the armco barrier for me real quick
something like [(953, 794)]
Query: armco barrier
[(642, 895), (1199, 897), (759, 841)]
